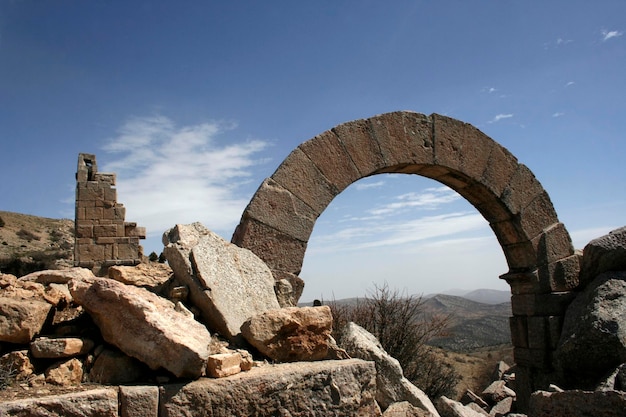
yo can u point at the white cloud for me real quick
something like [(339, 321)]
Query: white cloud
[(430, 198), (606, 35), (367, 185), (569, 83), (558, 114), (499, 117), (168, 174)]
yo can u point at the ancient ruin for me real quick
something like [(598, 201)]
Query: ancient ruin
[(543, 267), (102, 237)]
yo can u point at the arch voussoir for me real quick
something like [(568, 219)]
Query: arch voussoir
[(356, 137)]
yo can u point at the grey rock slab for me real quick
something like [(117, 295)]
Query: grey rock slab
[(577, 403), (93, 403)]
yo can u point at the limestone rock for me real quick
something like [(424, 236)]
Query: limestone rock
[(391, 384), (139, 401), (60, 347), (405, 409), (98, 402), (451, 408), (502, 408), (499, 371), (114, 367), (291, 334), (593, 340), (58, 276), (496, 392), (606, 253), (144, 326), (65, 373), (221, 365), (150, 276), (577, 403), (21, 320), (322, 388), (18, 363), (227, 283)]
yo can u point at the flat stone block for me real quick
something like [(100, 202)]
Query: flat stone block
[(404, 138), (97, 402), (222, 365), (84, 232), (562, 275), (93, 213), (139, 401), (552, 244), (356, 137), (104, 230), (271, 245), (519, 331), (522, 189), (331, 158), (301, 177), (532, 358), (84, 193), (553, 304), (538, 215), (501, 167), (278, 208)]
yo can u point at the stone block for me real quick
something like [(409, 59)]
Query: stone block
[(221, 365), (538, 215), (119, 213), (300, 176), (97, 402), (356, 137), (110, 194), (271, 245), (562, 275), (107, 179), (519, 256), (104, 230), (404, 138), (554, 328), (523, 282), (139, 401), (519, 331), (552, 244), (93, 213), (279, 209), (553, 304), (84, 193), (532, 358), (84, 231), (522, 189), (501, 167), (538, 335), (331, 158), (125, 251), (486, 202), (90, 253), (577, 403)]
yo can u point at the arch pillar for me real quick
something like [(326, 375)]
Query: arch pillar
[(543, 267)]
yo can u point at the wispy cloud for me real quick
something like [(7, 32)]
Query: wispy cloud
[(430, 198), (499, 117), (489, 90), (368, 185), (606, 34), (569, 83), (558, 114), (168, 174)]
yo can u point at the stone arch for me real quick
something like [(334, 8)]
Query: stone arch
[(543, 267)]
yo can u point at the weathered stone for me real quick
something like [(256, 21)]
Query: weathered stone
[(114, 367), (58, 276), (234, 282), (144, 326), (17, 364), (502, 407), (221, 365), (99, 402), (21, 320), (499, 371), (577, 403), (363, 149), (323, 388), (150, 276), (451, 408), (139, 401), (615, 381), (593, 341), (477, 408), (606, 253), (496, 392), (65, 373), (391, 385), (471, 397), (405, 409), (60, 347), (290, 334)]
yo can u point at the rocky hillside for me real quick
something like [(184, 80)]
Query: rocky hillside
[(30, 243)]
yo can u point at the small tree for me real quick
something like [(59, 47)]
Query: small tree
[(403, 329)]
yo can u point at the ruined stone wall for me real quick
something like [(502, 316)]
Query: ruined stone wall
[(103, 237)]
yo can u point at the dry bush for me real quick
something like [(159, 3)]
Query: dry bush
[(403, 329), (27, 235)]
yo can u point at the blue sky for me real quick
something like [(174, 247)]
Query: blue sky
[(194, 103)]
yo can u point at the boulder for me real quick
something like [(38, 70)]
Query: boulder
[(228, 284), (149, 276), (139, 401), (606, 253), (98, 402), (322, 388), (291, 334), (593, 340), (391, 384), (405, 409), (65, 373), (577, 403), (496, 392), (451, 408), (114, 367), (21, 320), (58, 276), (144, 326), (60, 347), (502, 408)]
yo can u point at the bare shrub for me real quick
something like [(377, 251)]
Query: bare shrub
[(7, 376), (403, 329), (27, 235)]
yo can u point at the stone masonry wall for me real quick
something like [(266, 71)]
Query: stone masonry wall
[(103, 238)]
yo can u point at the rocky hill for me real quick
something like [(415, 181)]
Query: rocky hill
[(30, 243)]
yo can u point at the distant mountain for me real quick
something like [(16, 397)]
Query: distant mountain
[(489, 296)]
